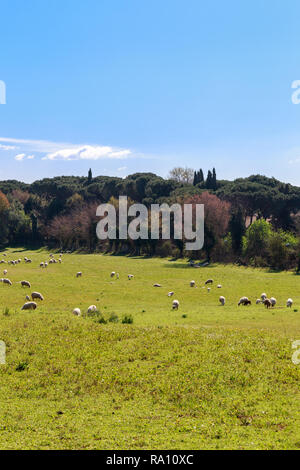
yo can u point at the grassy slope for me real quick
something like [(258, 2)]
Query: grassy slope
[(222, 377)]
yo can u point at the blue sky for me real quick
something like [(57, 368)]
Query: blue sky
[(134, 85)]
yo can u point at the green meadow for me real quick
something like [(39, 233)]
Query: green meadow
[(203, 377)]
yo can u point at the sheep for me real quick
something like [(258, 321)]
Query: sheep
[(5, 272), (258, 301), (219, 286), (289, 303), (117, 275), (27, 297), (192, 284), (175, 304), (19, 260), (209, 281), (267, 303), (244, 301), (273, 301), (112, 274), (29, 306), (79, 274), (45, 264), (7, 281), (41, 265), (222, 300), (59, 260), (25, 284), (156, 285), (130, 276), (77, 311), (91, 309), (208, 289), (263, 296), (37, 295), (28, 261), (170, 294)]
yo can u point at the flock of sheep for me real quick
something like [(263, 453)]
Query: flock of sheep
[(30, 304)]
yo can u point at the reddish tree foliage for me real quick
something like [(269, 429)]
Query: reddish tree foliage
[(4, 204), (21, 196)]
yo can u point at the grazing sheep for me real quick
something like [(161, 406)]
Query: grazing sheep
[(28, 261), (25, 284), (219, 286), (79, 274), (175, 304), (244, 301), (42, 265), (112, 274), (192, 284), (77, 311), (156, 285), (209, 281), (27, 297), (170, 294), (273, 301), (37, 295), (29, 306), (130, 276), (289, 303), (222, 300), (59, 260), (267, 303), (258, 301), (5, 272), (263, 296), (208, 289), (92, 308), (45, 264), (7, 281)]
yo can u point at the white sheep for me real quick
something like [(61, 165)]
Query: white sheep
[(5, 272), (208, 289), (170, 294), (289, 303), (112, 274), (79, 274), (222, 300), (273, 301), (91, 309), (27, 297), (219, 286), (258, 301), (244, 301), (175, 304), (156, 285), (7, 281), (209, 281), (192, 284), (37, 295), (130, 276), (42, 265), (29, 306), (263, 296), (25, 284), (77, 311)]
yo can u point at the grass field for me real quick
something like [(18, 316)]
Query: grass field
[(202, 377)]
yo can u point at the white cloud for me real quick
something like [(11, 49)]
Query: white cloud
[(66, 152), (30, 157), (7, 147), (122, 168), (20, 157), (88, 152)]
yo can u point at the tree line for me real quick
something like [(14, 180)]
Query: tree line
[(252, 220)]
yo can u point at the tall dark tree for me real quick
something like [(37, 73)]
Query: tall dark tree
[(237, 229), (214, 180), (90, 176), (209, 180), (195, 180), (200, 176)]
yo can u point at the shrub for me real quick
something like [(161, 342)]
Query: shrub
[(127, 319)]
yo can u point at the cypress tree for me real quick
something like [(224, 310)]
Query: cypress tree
[(90, 176)]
